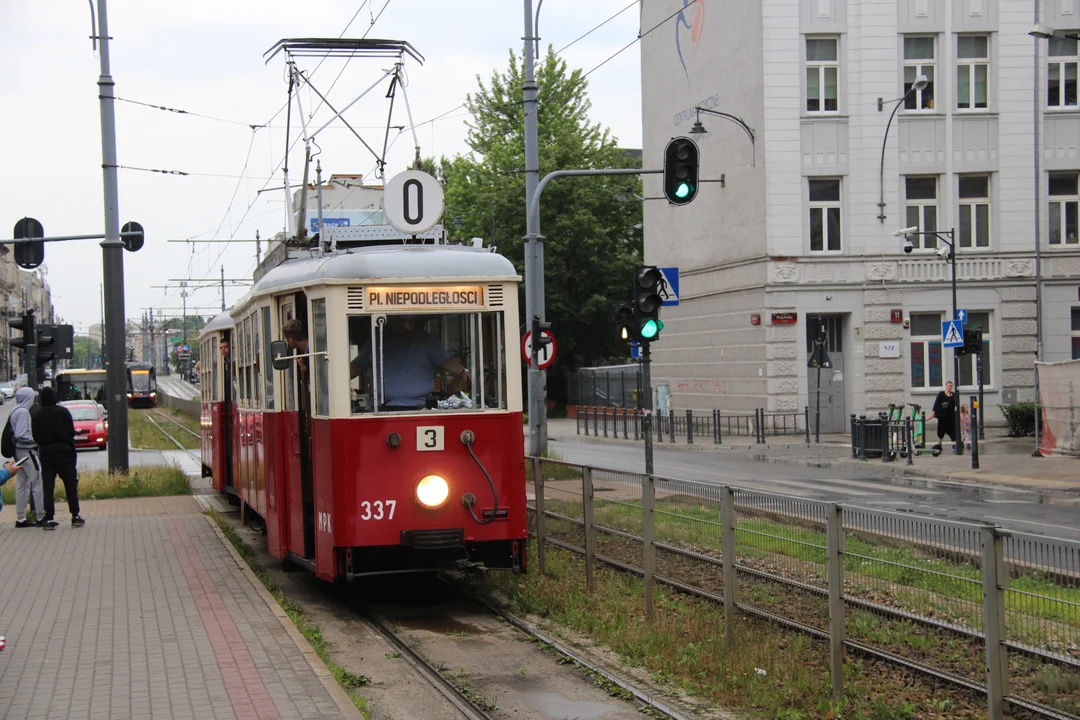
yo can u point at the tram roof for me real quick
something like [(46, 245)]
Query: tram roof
[(389, 263), (223, 321)]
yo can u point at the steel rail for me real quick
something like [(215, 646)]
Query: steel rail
[(188, 430), (426, 670)]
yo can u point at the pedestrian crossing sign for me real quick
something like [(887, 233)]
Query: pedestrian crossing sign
[(952, 334)]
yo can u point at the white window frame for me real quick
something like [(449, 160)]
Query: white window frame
[(1057, 216), (823, 207), (821, 68), (971, 207), (970, 66), (925, 341), (924, 242), (1061, 64), (921, 66)]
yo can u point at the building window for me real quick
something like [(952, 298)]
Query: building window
[(822, 71), (926, 365), (919, 60), (1063, 208), (974, 216), (1061, 73), (825, 233), (922, 210), (1076, 333), (972, 71), (976, 320)]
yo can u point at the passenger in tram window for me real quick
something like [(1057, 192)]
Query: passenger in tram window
[(410, 358), (296, 337)]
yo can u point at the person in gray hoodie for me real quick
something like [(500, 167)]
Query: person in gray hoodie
[(29, 480)]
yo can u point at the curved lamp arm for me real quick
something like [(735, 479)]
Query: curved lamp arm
[(920, 84), (735, 119)]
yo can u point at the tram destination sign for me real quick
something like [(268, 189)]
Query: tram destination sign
[(416, 298)]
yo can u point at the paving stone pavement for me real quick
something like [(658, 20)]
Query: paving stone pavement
[(147, 612)]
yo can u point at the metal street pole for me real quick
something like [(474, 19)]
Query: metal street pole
[(112, 249), (956, 358), (646, 403), (534, 257), (1038, 244)]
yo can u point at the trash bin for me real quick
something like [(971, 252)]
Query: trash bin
[(873, 436)]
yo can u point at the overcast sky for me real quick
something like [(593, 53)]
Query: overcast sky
[(206, 56)]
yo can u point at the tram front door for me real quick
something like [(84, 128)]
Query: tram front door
[(299, 485)]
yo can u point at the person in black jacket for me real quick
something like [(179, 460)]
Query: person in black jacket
[(54, 431)]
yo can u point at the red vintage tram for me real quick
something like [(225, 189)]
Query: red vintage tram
[(354, 454)]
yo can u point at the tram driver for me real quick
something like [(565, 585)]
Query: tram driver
[(410, 357)]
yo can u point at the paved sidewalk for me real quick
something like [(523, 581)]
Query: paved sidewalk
[(1002, 460), (147, 612)]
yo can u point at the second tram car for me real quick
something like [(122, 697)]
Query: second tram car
[(372, 398), (141, 385), (80, 385)]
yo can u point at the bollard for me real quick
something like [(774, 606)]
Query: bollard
[(715, 427), (689, 427), (577, 420), (625, 425), (862, 437), (806, 422), (719, 435), (595, 421), (975, 423), (637, 425), (910, 441), (659, 427), (605, 421), (671, 425), (854, 437)]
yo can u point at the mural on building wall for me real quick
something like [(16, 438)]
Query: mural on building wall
[(688, 30)]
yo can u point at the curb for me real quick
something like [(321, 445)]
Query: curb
[(340, 697)]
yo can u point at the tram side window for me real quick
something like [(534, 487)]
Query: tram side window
[(322, 370), (437, 362), (268, 373)]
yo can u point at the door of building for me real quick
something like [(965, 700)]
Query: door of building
[(833, 408)]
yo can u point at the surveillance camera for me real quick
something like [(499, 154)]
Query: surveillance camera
[(943, 252), (908, 247), (905, 232), (907, 323)]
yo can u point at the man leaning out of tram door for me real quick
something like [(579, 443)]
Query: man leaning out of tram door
[(410, 358)]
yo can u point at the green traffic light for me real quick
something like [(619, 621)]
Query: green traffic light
[(683, 190), (651, 329)]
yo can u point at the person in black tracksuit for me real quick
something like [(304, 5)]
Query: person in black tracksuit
[(54, 431)]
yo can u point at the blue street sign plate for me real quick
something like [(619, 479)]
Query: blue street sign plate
[(671, 277), (635, 350), (962, 316), (952, 334)]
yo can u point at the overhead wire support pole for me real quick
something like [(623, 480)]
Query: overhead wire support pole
[(534, 289), (112, 249), (408, 112), (534, 264)]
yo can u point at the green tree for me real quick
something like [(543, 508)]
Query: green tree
[(591, 226)]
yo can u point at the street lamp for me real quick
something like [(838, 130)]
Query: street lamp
[(949, 238), (920, 84), (699, 129)]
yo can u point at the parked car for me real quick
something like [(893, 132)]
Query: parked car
[(7, 390), (91, 427)]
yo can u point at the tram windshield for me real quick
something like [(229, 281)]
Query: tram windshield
[(140, 381), (81, 385), (436, 362)]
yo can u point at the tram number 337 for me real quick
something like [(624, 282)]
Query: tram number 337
[(378, 510)]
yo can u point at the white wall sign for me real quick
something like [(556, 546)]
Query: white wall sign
[(889, 349), (413, 201)]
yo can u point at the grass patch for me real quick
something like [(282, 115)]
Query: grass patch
[(144, 481), (770, 673), (145, 436), (350, 681)]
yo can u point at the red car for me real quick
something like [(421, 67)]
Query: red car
[(91, 428)]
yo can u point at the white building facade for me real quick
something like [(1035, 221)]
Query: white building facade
[(799, 232)]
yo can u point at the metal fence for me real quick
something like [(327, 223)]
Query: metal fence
[(990, 610), (693, 426), (618, 386)]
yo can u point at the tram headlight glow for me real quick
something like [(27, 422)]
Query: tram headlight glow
[(432, 491)]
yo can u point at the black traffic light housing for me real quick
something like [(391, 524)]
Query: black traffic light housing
[(539, 340), (45, 342), (681, 159), (648, 281), (624, 321), (973, 341), (29, 255), (26, 325)]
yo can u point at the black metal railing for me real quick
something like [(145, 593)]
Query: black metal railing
[(693, 426)]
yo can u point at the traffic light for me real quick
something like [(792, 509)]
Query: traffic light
[(29, 255), (680, 171), (973, 340), (624, 319), (539, 339), (26, 325), (646, 311), (45, 342)]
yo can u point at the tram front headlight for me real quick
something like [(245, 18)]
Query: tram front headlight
[(432, 491)]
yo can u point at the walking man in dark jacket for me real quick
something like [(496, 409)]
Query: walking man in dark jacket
[(54, 431)]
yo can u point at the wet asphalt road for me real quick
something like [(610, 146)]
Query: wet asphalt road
[(1050, 513)]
